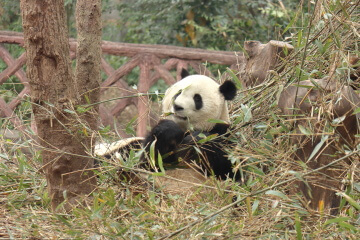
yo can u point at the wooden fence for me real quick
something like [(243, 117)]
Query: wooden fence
[(154, 61)]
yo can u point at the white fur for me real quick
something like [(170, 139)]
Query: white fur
[(214, 104), (102, 149)]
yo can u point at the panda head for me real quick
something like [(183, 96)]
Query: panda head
[(196, 99)]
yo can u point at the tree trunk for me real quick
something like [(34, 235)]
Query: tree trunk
[(63, 129), (88, 67)]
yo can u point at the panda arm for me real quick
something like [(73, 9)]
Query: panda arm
[(167, 135)]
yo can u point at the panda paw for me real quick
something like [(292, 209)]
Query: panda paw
[(167, 134)]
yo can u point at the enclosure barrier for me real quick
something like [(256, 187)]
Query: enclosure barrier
[(154, 61)]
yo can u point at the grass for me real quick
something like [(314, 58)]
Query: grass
[(261, 207), (120, 210)]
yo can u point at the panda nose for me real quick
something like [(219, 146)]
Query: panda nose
[(177, 108)]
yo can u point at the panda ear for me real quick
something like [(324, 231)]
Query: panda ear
[(228, 89), (184, 73)]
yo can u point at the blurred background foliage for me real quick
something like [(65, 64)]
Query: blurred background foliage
[(208, 24)]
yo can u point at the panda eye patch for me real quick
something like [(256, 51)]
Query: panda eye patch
[(198, 101)]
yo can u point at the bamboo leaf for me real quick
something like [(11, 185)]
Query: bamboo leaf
[(338, 120), (304, 130), (350, 200), (235, 78), (290, 24), (87, 99), (63, 220), (158, 174), (152, 154), (160, 163), (4, 156), (302, 86), (348, 226), (247, 113), (217, 121), (208, 138), (343, 200), (277, 193), (336, 220), (255, 206), (318, 146), (69, 111), (356, 111)]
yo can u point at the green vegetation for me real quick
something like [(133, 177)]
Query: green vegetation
[(323, 38), (213, 24)]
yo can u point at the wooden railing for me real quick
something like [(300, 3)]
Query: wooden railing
[(154, 61)]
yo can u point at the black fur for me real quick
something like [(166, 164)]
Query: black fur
[(174, 144), (178, 108), (168, 136), (198, 101), (184, 73), (228, 89)]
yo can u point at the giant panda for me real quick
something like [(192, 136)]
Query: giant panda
[(194, 127)]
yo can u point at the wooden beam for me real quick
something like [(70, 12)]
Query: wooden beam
[(12, 69), (143, 101), (120, 72), (9, 60), (5, 110), (161, 51)]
